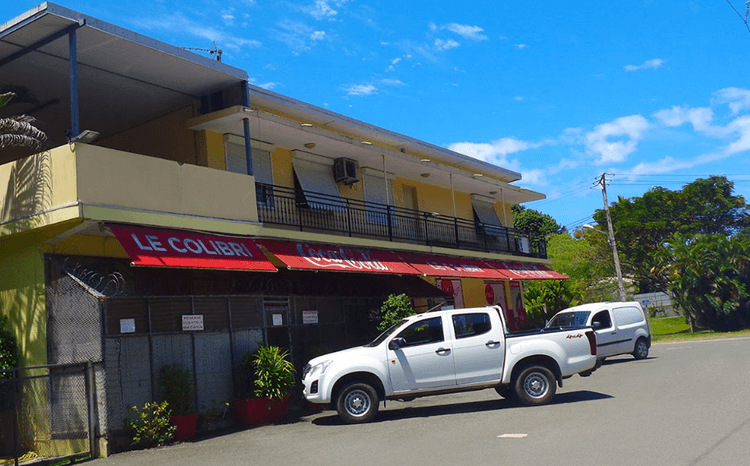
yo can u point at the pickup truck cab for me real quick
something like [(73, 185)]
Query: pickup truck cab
[(620, 327), (448, 351)]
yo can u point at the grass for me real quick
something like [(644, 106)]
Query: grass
[(670, 329)]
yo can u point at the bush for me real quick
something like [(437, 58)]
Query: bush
[(274, 374), (178, 388), (394, 310), (9, 356), (151, 426)]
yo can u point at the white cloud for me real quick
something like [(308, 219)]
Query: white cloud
[(628, 129), (700, 118), (534, 177), (647, 65), (520, 46), (297, 36), (184, 25), (737, 99), (446, 44), (322, 9), (466, 31), (360, 90)]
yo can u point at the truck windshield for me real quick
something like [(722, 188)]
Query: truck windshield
[(569, 319), (381, 338)]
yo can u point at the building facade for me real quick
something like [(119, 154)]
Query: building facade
[(209, 216)]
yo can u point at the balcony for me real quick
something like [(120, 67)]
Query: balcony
[(317, 212)]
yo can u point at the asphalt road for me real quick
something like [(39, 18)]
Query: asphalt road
[(687, 404)]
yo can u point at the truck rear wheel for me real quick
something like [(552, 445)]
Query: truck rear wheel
[(357, 402), (535, 385)]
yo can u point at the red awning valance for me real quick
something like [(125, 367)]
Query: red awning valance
[(310, 256), (438, 266), (520, 271), (188, 249)]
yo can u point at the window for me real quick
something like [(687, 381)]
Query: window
[(603, 319), (628, 315), (470, 325), (377, 196), (234, 150), (316, 180), (484, 211), (423, 332)]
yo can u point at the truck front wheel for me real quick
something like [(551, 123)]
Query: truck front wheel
[(535, 385), (357, 402)]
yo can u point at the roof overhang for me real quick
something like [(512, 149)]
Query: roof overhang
[(124, 78)]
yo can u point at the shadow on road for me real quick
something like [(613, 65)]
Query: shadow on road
[(409, 412), (616, 360)]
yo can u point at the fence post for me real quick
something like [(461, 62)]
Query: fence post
[(390, 225), (91, 400), (16, 412)]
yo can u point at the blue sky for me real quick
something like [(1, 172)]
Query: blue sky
[(654, 93)]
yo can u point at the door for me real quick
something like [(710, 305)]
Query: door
[(424, 360), (477, 349), (627, 321), (607, 340)]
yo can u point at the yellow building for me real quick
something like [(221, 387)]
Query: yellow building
[(184, 215)]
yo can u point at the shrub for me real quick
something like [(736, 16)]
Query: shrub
[(178, 388), (274, 374), (394, 310), (151, 426)]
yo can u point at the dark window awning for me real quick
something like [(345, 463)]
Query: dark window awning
[(310, 256), (189, 249)]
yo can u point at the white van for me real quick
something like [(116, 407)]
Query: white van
[(621, 328)]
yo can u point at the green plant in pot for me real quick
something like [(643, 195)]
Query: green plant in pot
[(272, 383), (177, 385)]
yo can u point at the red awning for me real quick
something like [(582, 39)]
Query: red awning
[(520, 271), (188, 249), (309, 256), (436, 266)]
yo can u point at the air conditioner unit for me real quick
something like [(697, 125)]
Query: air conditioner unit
[(345, 170)]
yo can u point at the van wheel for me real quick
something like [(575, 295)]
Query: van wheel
[(641, 349), (357, 403), (535, 386)]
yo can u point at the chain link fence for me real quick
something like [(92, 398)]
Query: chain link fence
[(47, 412)]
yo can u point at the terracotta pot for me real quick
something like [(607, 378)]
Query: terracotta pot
[(186, 426)]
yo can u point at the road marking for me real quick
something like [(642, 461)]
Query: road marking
[(512, 436)]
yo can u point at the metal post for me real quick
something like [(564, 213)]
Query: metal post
[(73, 61), (91, 400)]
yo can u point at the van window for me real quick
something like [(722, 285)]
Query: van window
[(569, 319), (602, 317), (469, 325), (628, 315)]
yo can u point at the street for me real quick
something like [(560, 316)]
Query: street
[(687, 404)]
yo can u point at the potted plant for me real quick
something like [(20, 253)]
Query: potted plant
[(178, 389), (271, 378)]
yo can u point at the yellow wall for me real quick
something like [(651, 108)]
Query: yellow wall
[(473, 289), (167, 137)]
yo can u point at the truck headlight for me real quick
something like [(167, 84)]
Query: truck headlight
[(317, 369)]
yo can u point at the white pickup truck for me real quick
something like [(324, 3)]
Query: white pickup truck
[(449, 351)]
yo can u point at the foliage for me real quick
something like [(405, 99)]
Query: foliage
[(589, 272), (707, 275), (394, 309), (534, 222), (544, 298), (178, 388), (274, 374), (641, 225), (19, 131), (151, 425), (9, 356)]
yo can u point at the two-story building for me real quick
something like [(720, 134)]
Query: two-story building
[(181, 214)]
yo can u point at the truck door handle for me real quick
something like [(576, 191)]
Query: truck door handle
[(492, 343), (443, 350)]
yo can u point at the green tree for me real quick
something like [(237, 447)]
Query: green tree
[(394, 309), (707, 276), (534, 222), (643, 224)]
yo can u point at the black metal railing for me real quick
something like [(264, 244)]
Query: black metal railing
[(311, 211)]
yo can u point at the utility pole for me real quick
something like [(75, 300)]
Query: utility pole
[(602, 181)]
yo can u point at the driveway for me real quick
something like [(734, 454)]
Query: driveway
[(687, 404)]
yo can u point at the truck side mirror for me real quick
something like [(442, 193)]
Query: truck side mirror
[(396, 344), (597, 325)]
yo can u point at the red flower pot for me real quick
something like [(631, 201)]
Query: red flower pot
[(186, 426), (253, 412)]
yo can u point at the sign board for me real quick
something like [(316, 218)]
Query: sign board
[(278, 320), (127, 325), (309, 317), (192, 322)]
